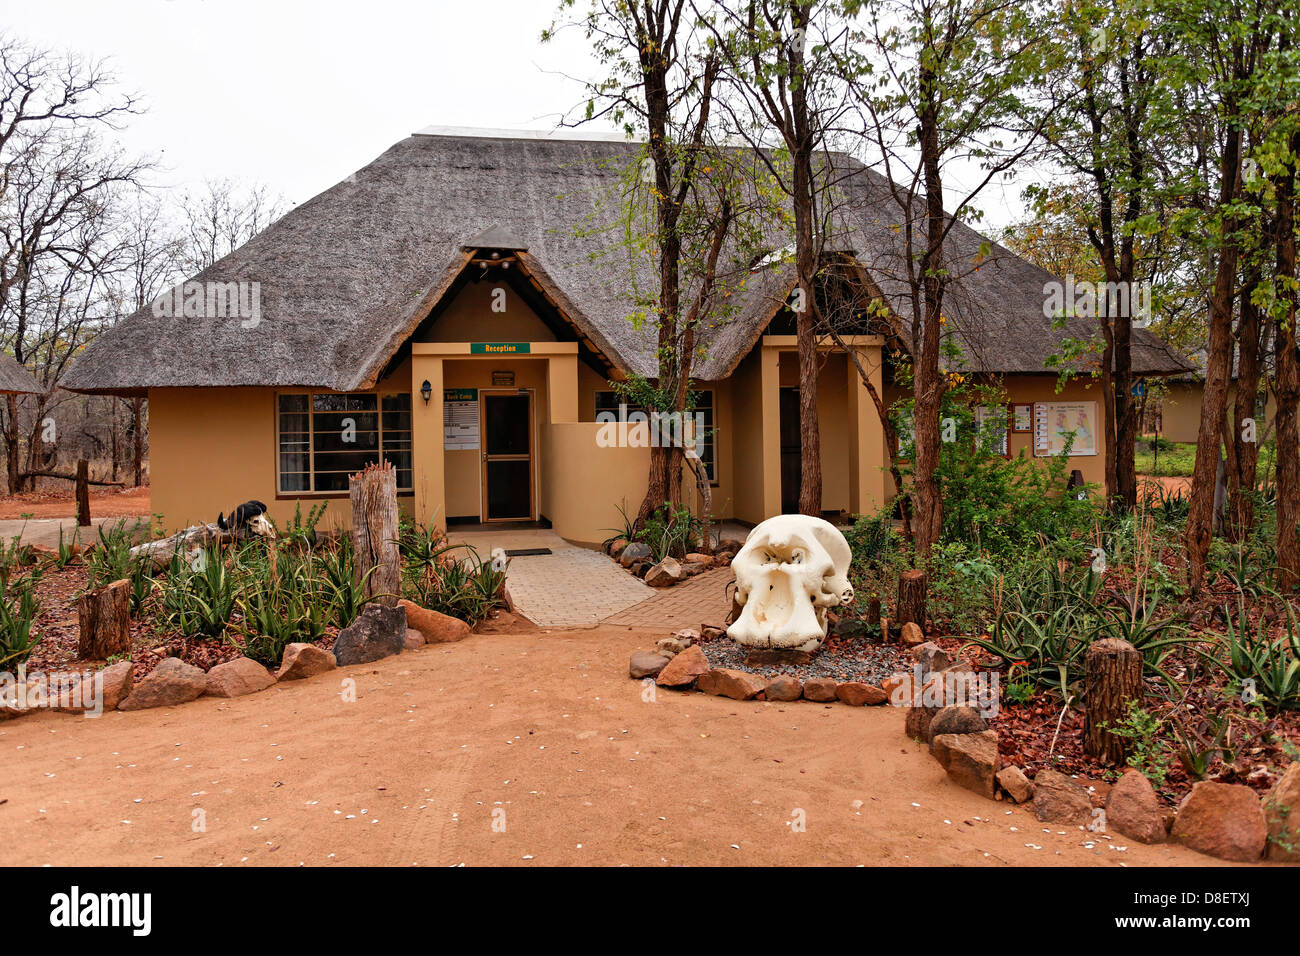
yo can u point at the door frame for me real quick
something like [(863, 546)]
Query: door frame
[(483, 394)]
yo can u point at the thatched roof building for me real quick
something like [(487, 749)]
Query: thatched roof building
[(346, 277), (15, 379)]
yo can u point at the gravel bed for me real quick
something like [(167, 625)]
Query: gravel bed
[(843, 660)]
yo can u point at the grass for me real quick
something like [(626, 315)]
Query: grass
[(1175, 459)]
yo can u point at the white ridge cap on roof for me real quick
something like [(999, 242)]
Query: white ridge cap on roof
[(475, 132)]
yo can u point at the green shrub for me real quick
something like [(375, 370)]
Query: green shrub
[(18, 608), (670, 531)]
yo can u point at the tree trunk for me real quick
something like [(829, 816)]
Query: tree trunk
[(1243, 455), (13, 461), (373, 495), (1287, 386), (1200, 514), (912, 588), (1113, 677), (83, 493), (104, 622), (137, 436)]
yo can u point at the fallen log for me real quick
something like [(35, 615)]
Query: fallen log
[(189, 540)]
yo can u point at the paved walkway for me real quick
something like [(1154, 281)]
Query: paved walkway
[(704, 599), (571, 587), (45, 531)]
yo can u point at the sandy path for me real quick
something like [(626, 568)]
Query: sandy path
[(543, 726), (104, 503)]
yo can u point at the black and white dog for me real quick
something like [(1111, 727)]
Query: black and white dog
[(250, 517)]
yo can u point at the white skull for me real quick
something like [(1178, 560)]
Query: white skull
[(261, 525), (790, 571)]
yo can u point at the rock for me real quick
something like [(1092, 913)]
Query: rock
[(683, 669), (664, 574), (671, 646), (1223, 820), (776, 657), (900, 688), (237, 678), (712, 632), (109, 687), (729, 544), (696, 558), (724, 682), (616, 548), (932, 657), (305, 660), (858, 694), (1060, 799), (1018, 787), (1098, 791), (646, 664), (849, 627), (414, 640), (917, 722), (1282, 815), (957, 720), (688, 635), (437, 628), (634, 552), (378, 632), (171, 682), (1133, 810), (641, 568), (783, 687), (820, 689), (971, 760), (913, 636)]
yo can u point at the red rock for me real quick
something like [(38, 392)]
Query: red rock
[(819, 689), (646, 664), (171, 682), (111, 686), (414, 640), (783, 688), (664, 574), (305, 660), (437, 628), (1013, 780), (970, 760), (1133, 810), (858, 694), (1061, 799), (1223, 820), (1282, 814), (913, 636), (237, 678), (724, 682), (683, 669)]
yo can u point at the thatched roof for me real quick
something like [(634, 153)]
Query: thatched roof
[(16, 380), (347, 277)]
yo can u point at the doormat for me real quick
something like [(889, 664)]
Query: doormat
[(527, 552)]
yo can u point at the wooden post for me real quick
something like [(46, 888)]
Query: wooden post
[(104, 621), (373, 494), (912, 589), (1112, 670), (83, 493)]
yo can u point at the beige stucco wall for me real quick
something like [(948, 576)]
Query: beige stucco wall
[(212, 449), (1180, 411), (1027, 389)]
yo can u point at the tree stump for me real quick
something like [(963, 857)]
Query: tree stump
[(373, 494), (83, 493), (873, 611), (912, 589), (1112, 678), (104, 621)]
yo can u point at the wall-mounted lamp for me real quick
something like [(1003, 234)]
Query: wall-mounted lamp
[(426, 391)]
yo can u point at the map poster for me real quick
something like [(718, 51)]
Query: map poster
[(1054, 422)]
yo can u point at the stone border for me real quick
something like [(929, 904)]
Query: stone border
[(1227, 821), (173, 682), (635, 558)]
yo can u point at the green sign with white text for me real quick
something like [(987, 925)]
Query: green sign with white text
[(499, 348)]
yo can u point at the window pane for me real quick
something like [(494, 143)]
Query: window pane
[(344, 403), (293, 403)]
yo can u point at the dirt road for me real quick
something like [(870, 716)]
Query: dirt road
[(104, 503), (517, 749)]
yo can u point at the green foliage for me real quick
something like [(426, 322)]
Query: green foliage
[(18, 608), (14, 556), (437, 576), (1272, 665), (281, 602), (1149, 754), (300, 530), (110, 559), (670, 531), (198, 598), (626, 533), (344, 593)]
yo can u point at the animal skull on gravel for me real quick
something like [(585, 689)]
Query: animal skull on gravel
[(791, 570)]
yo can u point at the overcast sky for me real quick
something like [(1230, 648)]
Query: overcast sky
[(298, 95)]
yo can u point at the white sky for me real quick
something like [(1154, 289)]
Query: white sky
[(298, 95)]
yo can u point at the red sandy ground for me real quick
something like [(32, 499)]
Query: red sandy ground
[(104, 503), (545, 726)]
